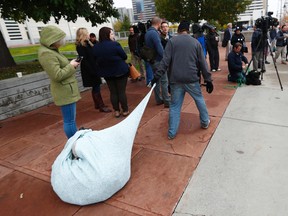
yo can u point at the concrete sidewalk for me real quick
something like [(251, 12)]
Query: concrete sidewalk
[(161, 169), (244, 168)]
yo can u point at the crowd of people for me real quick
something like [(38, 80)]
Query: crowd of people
[(177, 65)]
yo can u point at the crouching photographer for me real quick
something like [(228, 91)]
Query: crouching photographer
[(235, 64)]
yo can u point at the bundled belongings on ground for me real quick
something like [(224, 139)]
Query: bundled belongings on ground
[(94, 165)]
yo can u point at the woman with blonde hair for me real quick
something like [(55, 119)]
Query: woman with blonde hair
[(88, 67)]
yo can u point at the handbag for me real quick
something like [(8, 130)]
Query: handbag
[(134, 73)]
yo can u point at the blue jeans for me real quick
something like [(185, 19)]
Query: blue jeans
[(161, 89), (177, 96), (69, 119), (149, 72)]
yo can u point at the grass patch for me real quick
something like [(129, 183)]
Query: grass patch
[(26, 59)]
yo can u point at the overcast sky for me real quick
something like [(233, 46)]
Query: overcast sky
[(272, 4)]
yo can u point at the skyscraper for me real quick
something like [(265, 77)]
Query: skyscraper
[(143, 10)]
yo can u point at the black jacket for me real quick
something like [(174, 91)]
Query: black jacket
[(88, 66)]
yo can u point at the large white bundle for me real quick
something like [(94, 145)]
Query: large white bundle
[(104, 162)]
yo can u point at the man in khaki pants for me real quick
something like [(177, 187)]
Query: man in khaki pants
[(227, 37)]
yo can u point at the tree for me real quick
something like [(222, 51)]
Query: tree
[(125, 24), (223, 11), (95, 11), (117, 26)]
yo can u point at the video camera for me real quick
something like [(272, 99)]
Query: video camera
[(197, 28), (265, 22)]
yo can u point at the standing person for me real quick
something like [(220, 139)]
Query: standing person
[(212, 39), (63, 82), (135, 58), (164, 33), (227, 39), (197, 31), (235, 64), (111, 58), (88, 67), (92, 38), (185, 56), (258, 44), (238, 37), (272, 34), (152, 40), (140, 43), (281, 42)]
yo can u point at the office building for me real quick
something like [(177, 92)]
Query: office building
[(143, 10)]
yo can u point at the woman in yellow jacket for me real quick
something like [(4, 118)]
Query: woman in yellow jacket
[(63, 84)]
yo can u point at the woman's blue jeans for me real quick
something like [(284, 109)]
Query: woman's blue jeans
[(177, 96), (69, 119)]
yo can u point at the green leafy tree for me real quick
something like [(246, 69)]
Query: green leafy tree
[(95, 11), (223, 11), (125, 24), (117, 26)]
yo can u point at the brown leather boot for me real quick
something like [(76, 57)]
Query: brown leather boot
[(99, 104)]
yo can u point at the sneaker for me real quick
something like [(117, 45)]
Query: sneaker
[(205, 126), (266, 62), (117, 114), (218, 69), (283, 62), (213, 70), (126, 113), (170, 137)]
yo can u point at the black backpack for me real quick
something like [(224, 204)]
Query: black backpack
[(253, 78)]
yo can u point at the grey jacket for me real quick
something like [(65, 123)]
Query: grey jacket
[(184, 57)]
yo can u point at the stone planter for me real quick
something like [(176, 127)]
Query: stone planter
[(29, 92)]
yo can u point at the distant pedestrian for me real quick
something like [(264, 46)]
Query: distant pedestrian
[(135, 58), (281, 43), (227, 40), (62, 74), (239, 37), (212, 40)]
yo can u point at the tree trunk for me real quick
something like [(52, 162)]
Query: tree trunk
[(5, 55)]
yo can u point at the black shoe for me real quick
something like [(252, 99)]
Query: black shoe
[(83, 128), (266, 62)]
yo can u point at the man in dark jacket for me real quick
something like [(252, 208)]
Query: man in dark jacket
[(258, 44), (152, 40), (235, 64), (184, 55), (227, 39), (132, 43), (212, 39), (281, 42)]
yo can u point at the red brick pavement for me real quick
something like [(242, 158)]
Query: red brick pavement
[(161, 168)]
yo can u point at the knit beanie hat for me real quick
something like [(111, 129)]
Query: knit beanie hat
[(184, 25)]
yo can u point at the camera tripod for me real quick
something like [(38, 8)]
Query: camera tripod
[(264, 40)]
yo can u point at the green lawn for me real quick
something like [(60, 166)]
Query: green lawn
[(27, 60)]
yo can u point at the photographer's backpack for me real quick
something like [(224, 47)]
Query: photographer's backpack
[(253, 78)]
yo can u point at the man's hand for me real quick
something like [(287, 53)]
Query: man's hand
[(209, 87)]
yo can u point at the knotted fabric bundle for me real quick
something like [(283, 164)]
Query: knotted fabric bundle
[(103, 165)]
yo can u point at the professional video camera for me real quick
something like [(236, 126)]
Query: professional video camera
[(265, 22), (208, 26)]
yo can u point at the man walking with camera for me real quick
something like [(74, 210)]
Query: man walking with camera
[(185, 56)]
